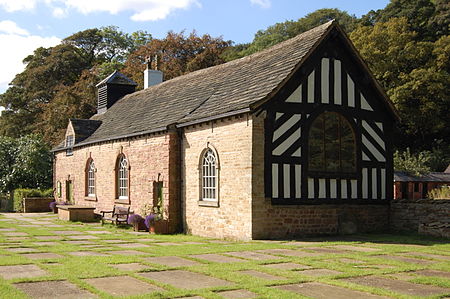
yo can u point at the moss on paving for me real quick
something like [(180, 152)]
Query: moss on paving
[(75, 269)]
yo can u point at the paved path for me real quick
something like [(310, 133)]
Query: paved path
[(42, 257)]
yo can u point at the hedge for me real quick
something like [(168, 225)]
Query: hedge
[(19, 194)]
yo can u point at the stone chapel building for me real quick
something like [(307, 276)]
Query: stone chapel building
[(294, 140)]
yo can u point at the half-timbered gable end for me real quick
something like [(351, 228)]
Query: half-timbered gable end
[(328, 131)]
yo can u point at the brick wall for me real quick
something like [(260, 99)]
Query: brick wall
[(232, 140), (278, 221), (149, 161)]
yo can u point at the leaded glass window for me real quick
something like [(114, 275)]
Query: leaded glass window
[(209, 176), (332, 146), (122, 178), (91, 179)]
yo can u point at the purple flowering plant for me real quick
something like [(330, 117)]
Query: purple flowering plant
[(135, 219), (149, 219), (52, 205)]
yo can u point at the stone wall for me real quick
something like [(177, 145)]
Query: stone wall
[(37, 204), (431, 217), (149, 160), (231, 138), (290, 221)]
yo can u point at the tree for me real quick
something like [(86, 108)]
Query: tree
[(26, 163), (177, 55), (282, 31), (412, 164)]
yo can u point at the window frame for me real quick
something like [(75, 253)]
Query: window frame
[(70, 141), (334, 174), (122, 174), (211, 169), (90, 176)]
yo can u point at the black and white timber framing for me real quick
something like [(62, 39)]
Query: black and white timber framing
[(332, 79)]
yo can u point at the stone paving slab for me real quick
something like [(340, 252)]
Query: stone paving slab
[(194, 243), (289, 252), (252, 255), (21, 249), (42, 255), (304, 243), (86, 253), (48, 237), (15, 234), (21, 271), (402, 287), (53, 289), (193, 297), (325, 291), (217, 258), (126, 252), (355, 248), (67, 232), (428, 255), (98, 232), (319, 272), (168, 244), (133, 245), (261, 275), (97, 246), (287, 266), (55, 225), (79, 242), (326, 250), (130, 267), (237, 294), (7, 229), (49, 243), (436, 273), (30, 225), (404, 259), (80, 237), (186, 279), (171, 261), (146, 240), (122, 285), (13, 239), (350, 261)]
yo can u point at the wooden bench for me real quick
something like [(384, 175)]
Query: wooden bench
[(119, 215)]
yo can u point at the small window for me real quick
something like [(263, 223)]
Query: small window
[(332, 146), (90, 178), (122, 178), (58, 189), (416, 187), (209, 176), (69, 145)]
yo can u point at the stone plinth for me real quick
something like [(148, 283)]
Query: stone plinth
[(75, 213)]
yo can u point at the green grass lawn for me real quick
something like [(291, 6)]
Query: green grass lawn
[(429, 254)]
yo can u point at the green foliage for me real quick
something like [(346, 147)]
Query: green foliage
[(443, 192), (282, 31), (26, 163), (20, 194), (410, 163)]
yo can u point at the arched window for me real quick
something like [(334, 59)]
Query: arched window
[(209, 176), (90, 178), (122, 178), (332, 146)]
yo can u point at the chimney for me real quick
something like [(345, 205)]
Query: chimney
[(111, 89), (152, 77)]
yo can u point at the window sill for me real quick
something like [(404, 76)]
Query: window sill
[(90, 198), (205, 203), (122, 201)]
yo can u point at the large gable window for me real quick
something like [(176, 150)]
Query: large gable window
[(209, 176), (122, 178), (332, 146), (90, 178)]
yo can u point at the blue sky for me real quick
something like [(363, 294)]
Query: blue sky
[(28, 24)]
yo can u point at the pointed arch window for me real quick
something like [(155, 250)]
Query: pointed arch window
[(331, 145), (90, 179), (122, 178), (209, 176)]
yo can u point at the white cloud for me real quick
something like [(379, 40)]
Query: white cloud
[(142, 10), (16, 45), (18, 5), (262, 3), (9, 27)]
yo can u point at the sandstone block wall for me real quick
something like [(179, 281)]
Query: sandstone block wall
[(149, 160), (232, 139)]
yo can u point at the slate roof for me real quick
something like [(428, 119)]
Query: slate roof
[(431, 177), (117, 78), (83, 128), (228, 88)]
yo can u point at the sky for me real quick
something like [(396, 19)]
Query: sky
[(28, 24)]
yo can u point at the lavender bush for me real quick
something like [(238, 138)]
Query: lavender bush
[(135, 219), (149, 219)]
